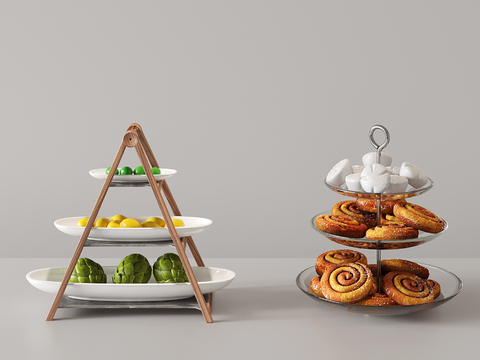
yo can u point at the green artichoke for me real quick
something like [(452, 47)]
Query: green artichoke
[(133, 268), (88, 271), (169, 269)]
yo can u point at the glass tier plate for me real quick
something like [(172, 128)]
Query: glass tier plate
[(364, 243), (409, 193), (450, 287)]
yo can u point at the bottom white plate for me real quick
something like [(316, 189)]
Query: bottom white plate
[(449, 282), (209, 279)]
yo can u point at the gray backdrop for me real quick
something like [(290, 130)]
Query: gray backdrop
[(252, 102)]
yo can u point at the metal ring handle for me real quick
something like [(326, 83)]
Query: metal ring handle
[(374, 143)]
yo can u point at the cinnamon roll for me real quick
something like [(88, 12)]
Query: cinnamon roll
[(347, 283), (332, 258), (315, 287), (392, 231), (405, 266), (377, 299), (341, 225), (407, 288), (418, 217), (370, 205), (436, 287), (349, 208)]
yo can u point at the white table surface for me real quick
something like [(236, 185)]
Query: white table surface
[(261, 314)]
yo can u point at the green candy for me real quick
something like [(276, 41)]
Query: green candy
[(139, 171), (126, 170), (88, 271), (156, 171), (169, 269), (108, 170)]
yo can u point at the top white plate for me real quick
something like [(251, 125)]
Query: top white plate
[(193, 225), (100, 174)]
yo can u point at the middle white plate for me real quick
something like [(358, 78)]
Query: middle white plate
[(193, 226)]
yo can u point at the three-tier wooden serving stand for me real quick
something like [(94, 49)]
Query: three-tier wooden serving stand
[(135, 138)]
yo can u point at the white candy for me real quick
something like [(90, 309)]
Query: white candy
[(336, 176), (371, 158), (353, 182), (415, 176), (375, 178), (398, 184), (394, 170), (358, 168)]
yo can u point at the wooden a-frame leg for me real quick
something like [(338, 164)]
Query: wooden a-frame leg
[(173, 233), (85, 234), (163, 185)]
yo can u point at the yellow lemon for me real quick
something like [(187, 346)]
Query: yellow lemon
[(118, 217), (157, 220), (130, 223), (82, 222), (101, 222), (178, 223), (113, 224), (150, 224)]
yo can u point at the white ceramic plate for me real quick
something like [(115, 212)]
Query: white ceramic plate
[(209, 279), (100, 174), (193, 225)]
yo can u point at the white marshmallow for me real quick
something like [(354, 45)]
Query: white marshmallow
[(415, 176), (336, 176), (394, 170), (358, 168), (398, 184), (375, 178), (371, 158), (353, 182)]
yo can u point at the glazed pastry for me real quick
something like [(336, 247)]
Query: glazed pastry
[(407, 288), (373, 269), (315, 287), (405, 266), (386, 206), (418, 217), (331, 259), (374, 287), (377, 299), (341, 225), (349, 208), (347, 283), (388, 219), (436, 288), (392, 231)]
